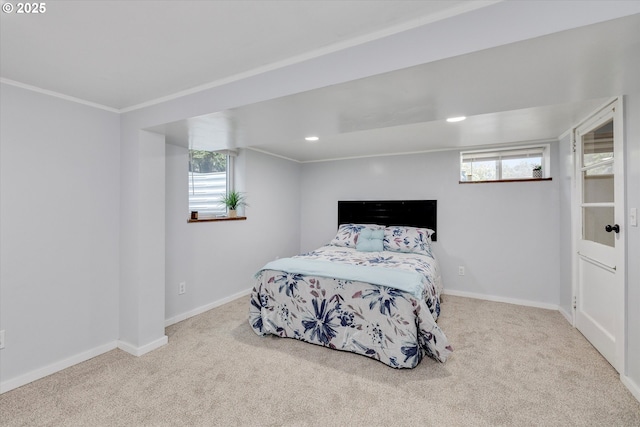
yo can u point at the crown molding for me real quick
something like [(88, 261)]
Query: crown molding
[(272, 154), (57, 95)]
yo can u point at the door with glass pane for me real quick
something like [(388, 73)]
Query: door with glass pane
[(599, 296)]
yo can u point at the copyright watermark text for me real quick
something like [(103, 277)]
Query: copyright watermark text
[(24, 8)]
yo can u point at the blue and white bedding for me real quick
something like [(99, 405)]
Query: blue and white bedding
[(300, 298)]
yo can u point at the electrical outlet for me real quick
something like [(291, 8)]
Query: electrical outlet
[(1, 339), (460, 271), (182, 288)]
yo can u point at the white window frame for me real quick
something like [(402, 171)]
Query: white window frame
[(229, 183), (498, 153)]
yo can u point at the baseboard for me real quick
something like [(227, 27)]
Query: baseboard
[(123, 345), (631, 385), (511, 301), (139, 351), (207, 307), (501, 299), (55, 367), (566, 315)]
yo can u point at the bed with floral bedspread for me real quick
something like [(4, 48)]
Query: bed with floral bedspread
[(396, 326)]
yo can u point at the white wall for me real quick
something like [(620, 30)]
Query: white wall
[(151, 255), (218, 259), (59, 207), (632, 172), (565, 182), (505, 234), (142, 240), (273, 190)]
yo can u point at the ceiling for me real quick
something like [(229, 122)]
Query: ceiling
[(121, 54), (532, 90), (529, 91)]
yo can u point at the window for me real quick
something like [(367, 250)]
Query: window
[(210, 176), (505, 164)]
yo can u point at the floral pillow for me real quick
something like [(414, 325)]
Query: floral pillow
[(348, 234), (408, 239)]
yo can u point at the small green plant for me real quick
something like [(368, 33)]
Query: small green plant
[(537, 168), (233, 200)]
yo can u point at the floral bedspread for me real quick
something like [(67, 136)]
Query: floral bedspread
[(380, 322)]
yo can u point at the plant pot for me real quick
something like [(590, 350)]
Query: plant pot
[(537, 173), (233, 213)]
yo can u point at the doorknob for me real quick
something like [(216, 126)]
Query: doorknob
[(610, 228)]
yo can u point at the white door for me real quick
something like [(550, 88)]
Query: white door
[(599, 270)]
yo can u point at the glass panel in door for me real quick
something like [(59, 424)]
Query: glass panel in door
[(598, 184), (594, 219), (598, 188), (597, 145)]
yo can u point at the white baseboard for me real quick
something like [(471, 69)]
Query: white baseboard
[(631, 385), (55, 367), (123, 345), (139, 351), (206, 307), (501, 299), (566, 315)]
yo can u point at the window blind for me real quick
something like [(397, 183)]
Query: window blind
[(472, 156)]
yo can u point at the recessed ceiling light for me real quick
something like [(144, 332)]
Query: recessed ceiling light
[(311, 138), (456, 119)]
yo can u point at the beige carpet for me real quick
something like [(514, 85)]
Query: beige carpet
[(512, 366)]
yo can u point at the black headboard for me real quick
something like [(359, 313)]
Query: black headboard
[(412, 213)]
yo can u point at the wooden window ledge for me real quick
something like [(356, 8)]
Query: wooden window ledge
[(219, 218), (505, 180)]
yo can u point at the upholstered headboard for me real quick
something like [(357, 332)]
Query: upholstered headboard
[(413, 213)]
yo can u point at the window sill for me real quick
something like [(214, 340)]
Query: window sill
[(506, 180), (221, 218)]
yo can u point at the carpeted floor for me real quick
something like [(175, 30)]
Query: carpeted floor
[(511, 366)]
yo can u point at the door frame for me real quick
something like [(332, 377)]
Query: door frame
[(620, 216)]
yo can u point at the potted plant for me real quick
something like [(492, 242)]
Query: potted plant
[(537, 171), (233, 200)]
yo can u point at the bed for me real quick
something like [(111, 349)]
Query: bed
[(374, 289)]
